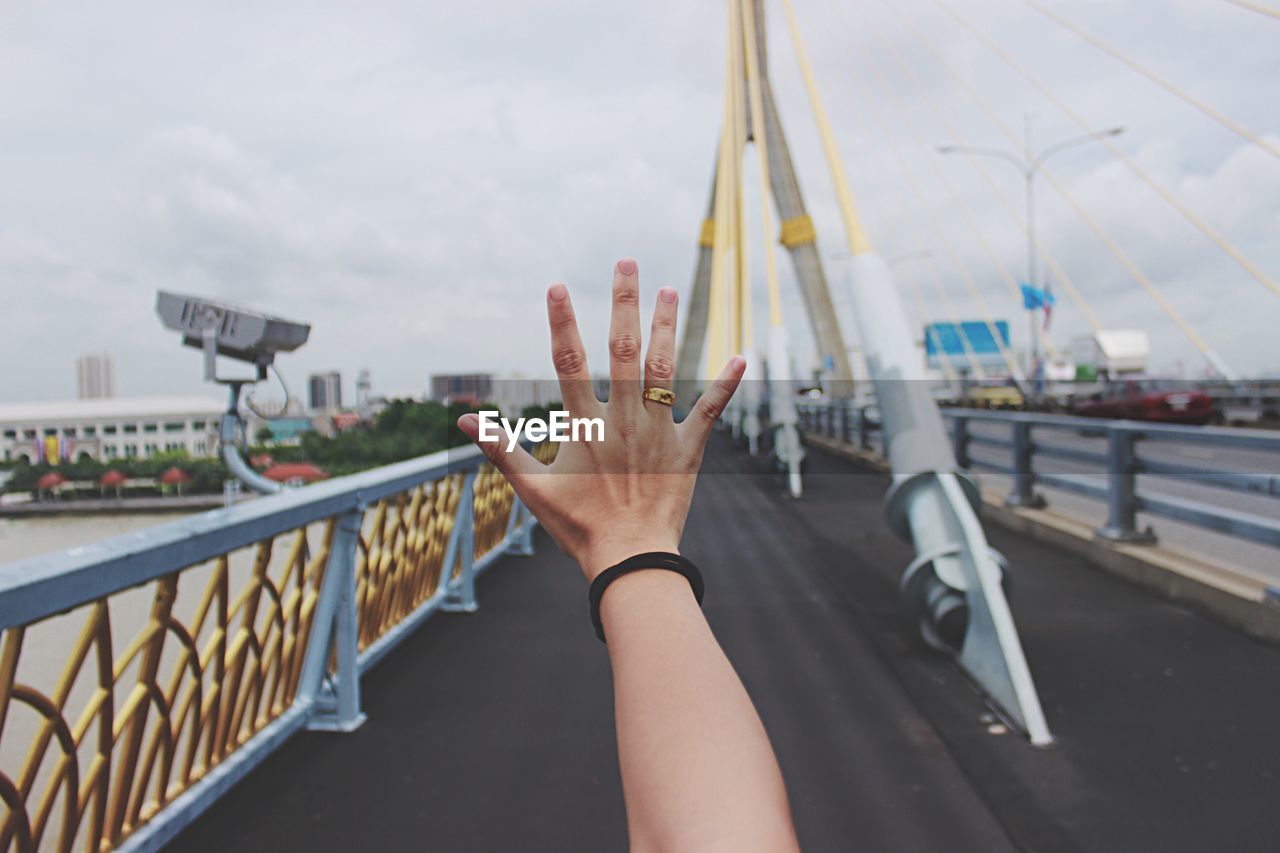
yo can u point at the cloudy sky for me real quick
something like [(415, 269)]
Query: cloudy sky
[(410, 176)]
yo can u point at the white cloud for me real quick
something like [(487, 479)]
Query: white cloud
[(409, 179)]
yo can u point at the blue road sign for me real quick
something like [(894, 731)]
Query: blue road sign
[(946, 338)]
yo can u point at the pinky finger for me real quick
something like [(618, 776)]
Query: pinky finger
[(712, 403)]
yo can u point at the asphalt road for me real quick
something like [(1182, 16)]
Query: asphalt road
[(494, 730)]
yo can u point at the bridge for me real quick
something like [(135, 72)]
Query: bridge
[(963, 629)]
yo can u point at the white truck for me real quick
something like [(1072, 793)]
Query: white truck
[(1109, 353)]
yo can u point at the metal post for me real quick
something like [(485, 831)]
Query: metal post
[(520, 529), (1122, 498), (783, 414), (461, 594), (960, 441), (932, 506), (864, 429), (338, 708), (844, 420), (1024, 479)]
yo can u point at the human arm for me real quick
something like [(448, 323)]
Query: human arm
[(698, 772)]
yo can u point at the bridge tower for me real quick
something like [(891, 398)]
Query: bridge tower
[(954, 589), (719, 307)]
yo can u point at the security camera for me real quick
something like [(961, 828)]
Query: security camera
[(220, 328), (234, 331)]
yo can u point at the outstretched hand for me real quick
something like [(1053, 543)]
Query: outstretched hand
[(604, 501)]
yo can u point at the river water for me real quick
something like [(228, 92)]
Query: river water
[(28, 537), (47, 645)]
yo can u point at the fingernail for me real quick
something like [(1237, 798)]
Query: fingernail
[(557, 292), (469, 424), (737, 362), (626, 266), (667, 294)]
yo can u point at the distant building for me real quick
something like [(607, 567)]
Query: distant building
[(364, 392), (287, 431), (462, 387), (325, 391), (343, 421), (121, 428), (512, 394), (95, 376)]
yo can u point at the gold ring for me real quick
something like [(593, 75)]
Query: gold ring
[(660, 395)]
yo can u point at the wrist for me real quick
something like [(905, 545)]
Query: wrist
[(600, 556)]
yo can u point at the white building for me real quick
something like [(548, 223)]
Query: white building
[(119, 428), (95, 376), (513, 392)]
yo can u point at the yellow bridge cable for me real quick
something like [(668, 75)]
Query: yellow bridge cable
[(1060, 274), (854, 233), (1260, 8), (886, 95), (1227, 122), (949, 307), (917, 299), (762, 152), (965, 275), (717, 312), (1204, 227), (1120, 255), (740, 300)]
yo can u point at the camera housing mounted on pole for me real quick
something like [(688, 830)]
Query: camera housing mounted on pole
[(244, 334)]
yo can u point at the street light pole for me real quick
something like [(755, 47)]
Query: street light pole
[(1029, 168), (1033, 339)]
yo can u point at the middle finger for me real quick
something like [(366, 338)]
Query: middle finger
[(624, 339)]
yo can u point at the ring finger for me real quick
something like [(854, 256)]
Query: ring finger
[(660, 363)]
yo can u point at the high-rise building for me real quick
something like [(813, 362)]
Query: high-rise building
[(462, 387), (95, 376), (325, 391)]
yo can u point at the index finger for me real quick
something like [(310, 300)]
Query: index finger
[(567, 353)]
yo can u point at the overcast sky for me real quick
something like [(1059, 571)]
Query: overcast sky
[(409, 177)]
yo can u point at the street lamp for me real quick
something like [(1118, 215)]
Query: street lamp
[(1029, 168)]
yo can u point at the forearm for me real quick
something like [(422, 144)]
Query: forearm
[(698, 772)]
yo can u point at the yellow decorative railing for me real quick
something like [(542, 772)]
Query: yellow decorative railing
[(141, 676)]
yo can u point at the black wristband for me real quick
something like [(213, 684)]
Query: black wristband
[(652, 560)]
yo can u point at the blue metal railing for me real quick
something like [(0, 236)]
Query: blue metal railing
[(201, 694), (1122, 462)]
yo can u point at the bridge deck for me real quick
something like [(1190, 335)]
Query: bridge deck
[(493, 731)]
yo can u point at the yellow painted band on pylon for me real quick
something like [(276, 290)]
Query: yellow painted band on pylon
[(797, 231), (707, 238)]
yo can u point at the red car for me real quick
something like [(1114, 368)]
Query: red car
[(1148, 400)]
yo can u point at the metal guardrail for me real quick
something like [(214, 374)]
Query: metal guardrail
[(1122, 462), (182, 655)]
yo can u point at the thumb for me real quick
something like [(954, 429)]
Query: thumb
[(515, 464)]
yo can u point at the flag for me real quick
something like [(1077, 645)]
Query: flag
[(1034, 297)]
